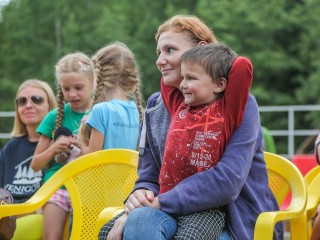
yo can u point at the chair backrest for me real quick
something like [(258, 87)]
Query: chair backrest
[(312, 179), (278, 184), (283, 177), (305, 163), (313, 183), (96, 181), (312, 174)]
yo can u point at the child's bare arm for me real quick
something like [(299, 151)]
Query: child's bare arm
[(96, 141), (46, 150)]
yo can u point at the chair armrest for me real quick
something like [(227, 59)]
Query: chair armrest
[(266, 221), (35, 202), (106, 215), (31, 205)]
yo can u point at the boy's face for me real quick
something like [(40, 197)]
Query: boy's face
[(197, 86)]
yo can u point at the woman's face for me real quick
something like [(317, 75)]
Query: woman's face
[(171, 45), (33, 105)]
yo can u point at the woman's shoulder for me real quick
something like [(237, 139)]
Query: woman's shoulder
[(15, 142), (12, 142), (20, 139), (154, 99)]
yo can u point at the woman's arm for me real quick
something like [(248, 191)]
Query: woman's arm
[(223, 183)]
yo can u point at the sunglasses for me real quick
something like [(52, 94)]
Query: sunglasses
[(21, 101)]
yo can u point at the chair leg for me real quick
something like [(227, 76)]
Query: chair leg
[(298, 228)]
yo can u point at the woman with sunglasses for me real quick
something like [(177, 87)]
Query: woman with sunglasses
[(34, 99)]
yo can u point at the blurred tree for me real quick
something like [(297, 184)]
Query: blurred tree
[(281, 37), (265, 32), (308, 51)]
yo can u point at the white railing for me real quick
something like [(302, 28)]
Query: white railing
[(290, 132)]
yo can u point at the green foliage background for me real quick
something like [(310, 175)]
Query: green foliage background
[(281, 37)]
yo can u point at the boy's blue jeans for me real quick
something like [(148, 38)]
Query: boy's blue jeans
[(158, 226), (152, 224)]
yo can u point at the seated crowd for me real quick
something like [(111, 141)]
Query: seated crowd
[(197, 138)]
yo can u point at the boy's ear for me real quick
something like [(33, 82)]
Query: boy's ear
[(221, 84)]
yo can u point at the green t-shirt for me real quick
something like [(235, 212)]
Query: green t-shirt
[(269, 144), (71, 120)]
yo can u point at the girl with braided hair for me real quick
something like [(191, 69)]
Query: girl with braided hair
[(117, 106), (75, 80)]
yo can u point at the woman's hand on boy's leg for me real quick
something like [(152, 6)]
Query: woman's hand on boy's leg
[(139, 198)]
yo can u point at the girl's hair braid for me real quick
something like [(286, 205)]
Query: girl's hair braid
[(138, 98), (115, 66), (71, 63), (60, 109), (100, 85)]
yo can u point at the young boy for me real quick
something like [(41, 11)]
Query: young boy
[(205, 111)]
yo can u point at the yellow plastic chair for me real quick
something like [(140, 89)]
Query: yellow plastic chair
[(310, 176), (283, 177), (304, 222), (106, 215), (94, 181)]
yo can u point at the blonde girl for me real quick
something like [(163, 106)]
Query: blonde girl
[(117, 109), (75, 81)]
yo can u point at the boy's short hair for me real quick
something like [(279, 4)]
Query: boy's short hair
[(215, 58)]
